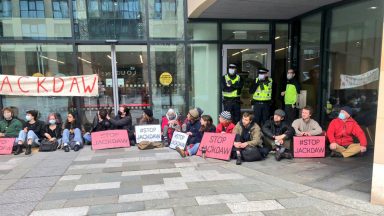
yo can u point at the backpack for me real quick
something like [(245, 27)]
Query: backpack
[(47, 146)]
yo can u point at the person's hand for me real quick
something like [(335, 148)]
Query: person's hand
[(2, 134), (280, 137), (108, 117), (281, 141), (189, 133), (237, 144), (52, 139), (243, 145), (229, 83), (333, 146), (306, 134), (282, 93), (363, 149), (25, 129)]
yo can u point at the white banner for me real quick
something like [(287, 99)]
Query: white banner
[(85, 86), (150, 133), (178, 139), (347, 81)]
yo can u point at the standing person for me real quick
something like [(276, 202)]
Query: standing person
[(341, 132), (10, 125), (123, 120), (103, 124), (261, 90), (306, 126), (290, 94), (225, 124), (72, 132), (169, 124), (231, 85), (31, 133)]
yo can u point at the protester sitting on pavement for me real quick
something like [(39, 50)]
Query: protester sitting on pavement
[(278, 135), (192, 129), (306, 126), (103, 124), (52, 130), (72, 133), (147, 117), (9, 125), (169, 124), (341, 132), (31, 134), (206, 126), (225, 124), (248, 143), (124, 121)]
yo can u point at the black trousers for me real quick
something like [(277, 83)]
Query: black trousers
[(233, 106), (250, 154), (290, 113), (261, 112)]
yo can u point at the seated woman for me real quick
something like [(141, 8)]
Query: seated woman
[(72, 133), (124, 121), (103, 124), (52, 131), (147, 117), (169, 124), (32, 132), (10, 125)]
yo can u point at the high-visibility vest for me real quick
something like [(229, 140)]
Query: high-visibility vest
[(263, 95), (290, 96), (231, 94)]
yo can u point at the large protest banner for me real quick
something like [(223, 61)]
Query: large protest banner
[(6, 145), (85, 86), (110, 139), (151, 133), (178, 139), (309, 146), (217, 145), (353, 81)]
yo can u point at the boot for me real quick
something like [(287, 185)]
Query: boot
[(28, 150), (287, 155), (19, 149), (238, 159), (66, 147)]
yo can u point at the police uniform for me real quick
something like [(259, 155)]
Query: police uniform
[(292, 89), (231, 86), (261, 90)]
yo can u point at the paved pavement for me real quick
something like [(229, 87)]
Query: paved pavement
[(158, 182)]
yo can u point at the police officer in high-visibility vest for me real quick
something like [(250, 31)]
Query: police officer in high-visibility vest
[(231, 85), (261, 89), (290, 94)]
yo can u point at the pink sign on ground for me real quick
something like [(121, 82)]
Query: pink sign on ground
[(110, 139), (309, 146), (217, 145), (6, 145)]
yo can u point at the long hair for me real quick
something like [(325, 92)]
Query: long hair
[(58, 120), (209, 121)]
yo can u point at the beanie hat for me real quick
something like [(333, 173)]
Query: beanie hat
[(347, 109), (226, 115), (201, 111), (171, 114), (280, 112), (194, 113), (148, 112)]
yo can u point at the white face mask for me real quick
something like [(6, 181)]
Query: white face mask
[(261, 76), (231, 71), (289, 76)]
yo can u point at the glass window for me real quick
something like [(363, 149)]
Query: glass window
[(168, 58), (5, 8), (354, 61), (32, 8), (166, 18), (60, 9), (202, 31), (37, 60), (245, 31)]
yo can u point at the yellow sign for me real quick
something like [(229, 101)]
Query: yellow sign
[(166, 78)]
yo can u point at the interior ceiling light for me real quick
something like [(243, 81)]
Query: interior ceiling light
[(373, 8), (278, 37)]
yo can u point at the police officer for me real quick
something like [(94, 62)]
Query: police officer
[(290, 93), (231, 86), (261, 90)]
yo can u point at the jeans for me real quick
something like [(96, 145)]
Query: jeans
[(87, 137), (193, 150), (29, 135), (76, 138)]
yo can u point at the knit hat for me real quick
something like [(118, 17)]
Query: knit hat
[(347, 109), (148, 112), (194, 113), (201, 111), (171, 114), (280, 112), (226, 115)]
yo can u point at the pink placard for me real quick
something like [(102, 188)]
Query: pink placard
[(309, 146), (6, 145), (217, 145), (110, 139)]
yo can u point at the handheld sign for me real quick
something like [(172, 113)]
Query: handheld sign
[(151, 133), (178, 139), (110, 139), (6, 145), (217, 145), (309, 146)]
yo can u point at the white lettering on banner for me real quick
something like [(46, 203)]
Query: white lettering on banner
[(84, 86), (178, 139), (151, 133), (347, 81)]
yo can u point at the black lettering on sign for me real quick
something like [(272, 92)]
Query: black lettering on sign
[(309, 142), (218, 150), (148, 136), (310, 150), (179, 137), (148, 130), (110, 141), (217, 139)]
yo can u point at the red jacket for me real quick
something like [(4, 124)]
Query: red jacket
[(164, 122), (221, 128), (342, 133)]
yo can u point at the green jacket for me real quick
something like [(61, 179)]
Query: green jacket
[(11, 128), (254, 132)]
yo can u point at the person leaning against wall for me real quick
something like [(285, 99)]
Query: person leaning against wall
[(10, 125)]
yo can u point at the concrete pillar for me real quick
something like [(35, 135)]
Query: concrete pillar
[(197, 7), (377, 191)]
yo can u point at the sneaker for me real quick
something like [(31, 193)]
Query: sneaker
[(238, 158), (288, 155), (76, 148), (278, 155), (336, 154), (66, 148), (180, 151)]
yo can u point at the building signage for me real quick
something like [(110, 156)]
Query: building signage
[(84, 86), (347, 81), (166, 79), (217, 145)]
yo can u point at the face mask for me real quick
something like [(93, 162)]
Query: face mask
[(231, 71), (52, 121), (28, 118), (7, 116), (341, 116), (289, 76), (261, 76)]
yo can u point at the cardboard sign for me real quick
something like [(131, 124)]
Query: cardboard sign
[(217, 145), (6, 145), (178, 139), (151, 133), (309, 146), (110, 139)]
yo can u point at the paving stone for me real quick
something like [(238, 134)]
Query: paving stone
[(170, 203), (62, 188), (70, 177), (23, 195), (50, 205), (269, 195), (355, 194), (99, 186), (143, 196), (17, 209), (100, 200), (16, 173), (75, 211), (220, 198), (160, 212), (294, 211), (251, 206), (245, 214), (116, 208), (165, 187), (95, 166), (35, 182), (331, 183), (216, 209), (157, 171)]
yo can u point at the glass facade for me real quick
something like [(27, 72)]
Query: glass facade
[(245, 31)]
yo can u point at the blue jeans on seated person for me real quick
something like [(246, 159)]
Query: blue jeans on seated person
[(87, 137), (77, 137), (24, 136), (193, 150)]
